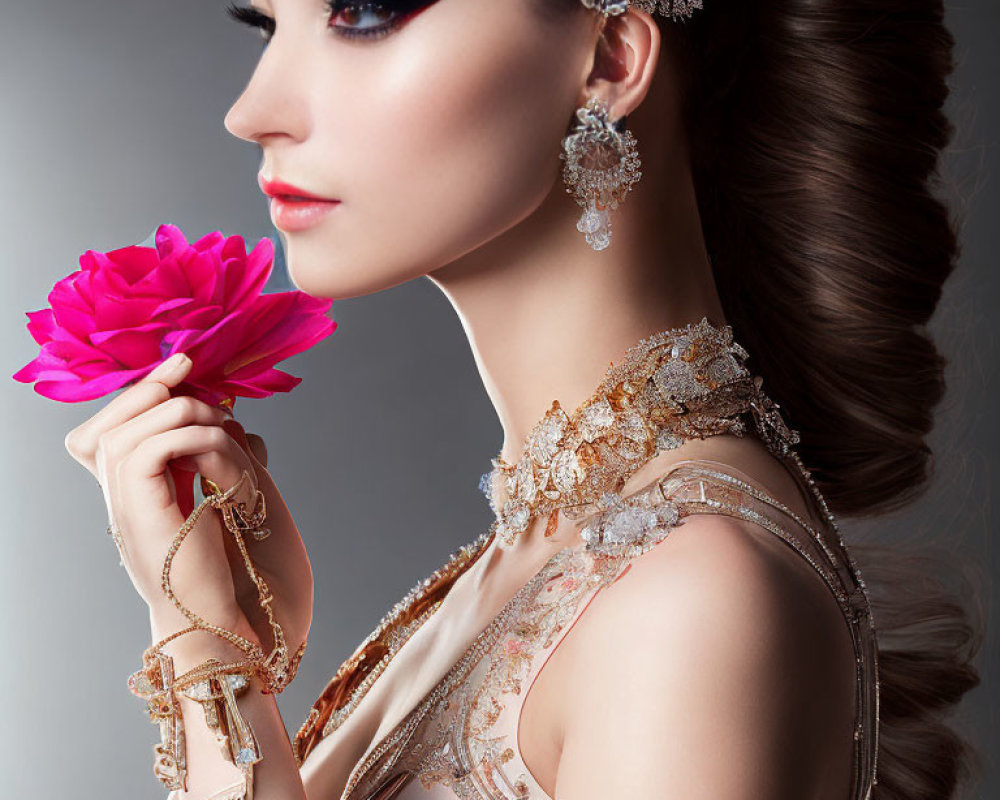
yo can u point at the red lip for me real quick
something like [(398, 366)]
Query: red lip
[(286, 190)]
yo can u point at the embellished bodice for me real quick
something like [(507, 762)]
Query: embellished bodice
[(460, 740)]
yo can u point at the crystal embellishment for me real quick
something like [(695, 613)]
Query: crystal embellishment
[(630, 527), (671, 9), (679, 384), (475, 759)]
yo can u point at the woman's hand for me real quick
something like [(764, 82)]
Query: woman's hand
[(146, 445)]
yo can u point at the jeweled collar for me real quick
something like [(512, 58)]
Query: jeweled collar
[(679, 384)]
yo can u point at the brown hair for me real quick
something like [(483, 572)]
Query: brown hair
[(815, 129)]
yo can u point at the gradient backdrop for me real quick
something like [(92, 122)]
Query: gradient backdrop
[(111, 123)]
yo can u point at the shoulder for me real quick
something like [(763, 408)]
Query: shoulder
[(712, 660), (722, 581)]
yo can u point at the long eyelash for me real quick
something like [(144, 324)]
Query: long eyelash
[(253, 18), (266, 25)]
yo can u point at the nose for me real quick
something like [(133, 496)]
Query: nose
[(272, 104)]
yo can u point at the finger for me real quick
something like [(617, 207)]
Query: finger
[(258, 448), (152, 389), (142, 481), (236, 430), (176, 412), (210, 450)]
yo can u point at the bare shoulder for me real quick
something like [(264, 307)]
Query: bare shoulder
[(713, 667)]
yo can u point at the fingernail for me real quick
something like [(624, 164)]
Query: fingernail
[(177, 361), (164, 366)]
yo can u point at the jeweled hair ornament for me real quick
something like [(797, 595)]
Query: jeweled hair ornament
[(673, 9)]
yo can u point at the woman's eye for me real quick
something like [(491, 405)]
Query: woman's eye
[(351, 19), (357, 19)]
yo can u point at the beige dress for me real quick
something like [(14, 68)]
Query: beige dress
[(460, 741)]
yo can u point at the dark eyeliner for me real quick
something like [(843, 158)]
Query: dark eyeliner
[(402, 10)]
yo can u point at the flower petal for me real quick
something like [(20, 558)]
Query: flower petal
[(126, 310)]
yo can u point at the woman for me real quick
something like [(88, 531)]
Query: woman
[(659, 608)]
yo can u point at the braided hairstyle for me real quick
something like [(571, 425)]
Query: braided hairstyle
[(815, 129)]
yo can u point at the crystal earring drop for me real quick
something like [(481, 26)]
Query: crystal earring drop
[(601, 163)]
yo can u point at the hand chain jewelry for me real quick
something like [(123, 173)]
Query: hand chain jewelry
[(214, 684)]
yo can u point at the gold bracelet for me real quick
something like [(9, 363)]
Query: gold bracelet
[(213, 683), (216, 685), (156, 683)]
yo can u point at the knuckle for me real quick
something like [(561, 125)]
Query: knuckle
[(139, 451), (80, 444), (183, 408), (154, 392), (105, 444), (217, 437), (118, 468)]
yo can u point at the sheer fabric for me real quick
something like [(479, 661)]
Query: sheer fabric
[(460, 740)]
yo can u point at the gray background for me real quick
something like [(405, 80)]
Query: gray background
[(112, 123)]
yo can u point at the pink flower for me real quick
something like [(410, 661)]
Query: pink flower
[(125, 311)]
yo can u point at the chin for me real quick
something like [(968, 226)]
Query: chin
[(323, 271)]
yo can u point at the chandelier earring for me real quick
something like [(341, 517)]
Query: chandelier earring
[(601, 163)]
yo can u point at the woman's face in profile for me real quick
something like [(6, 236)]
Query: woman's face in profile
[(435, 123)]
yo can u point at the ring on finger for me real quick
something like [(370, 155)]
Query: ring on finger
[(235, 512)]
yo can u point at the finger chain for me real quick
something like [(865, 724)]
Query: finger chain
[(214, 684)]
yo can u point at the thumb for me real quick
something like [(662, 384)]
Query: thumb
[(171, 371)]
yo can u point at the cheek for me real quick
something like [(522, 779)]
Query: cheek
[(445, 146)]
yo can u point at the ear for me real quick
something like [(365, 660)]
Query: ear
[(628, 50)]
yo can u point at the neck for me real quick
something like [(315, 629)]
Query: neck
[(545, 314)]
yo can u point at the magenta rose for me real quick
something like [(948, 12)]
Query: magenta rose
[(125, 311)]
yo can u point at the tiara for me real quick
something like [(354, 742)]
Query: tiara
[(674, 9)]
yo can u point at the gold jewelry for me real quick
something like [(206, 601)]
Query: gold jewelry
[(216, 500), (679, 384), (116, 536), (275, 666), (213, 683), (237, 515), (153, 683)]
